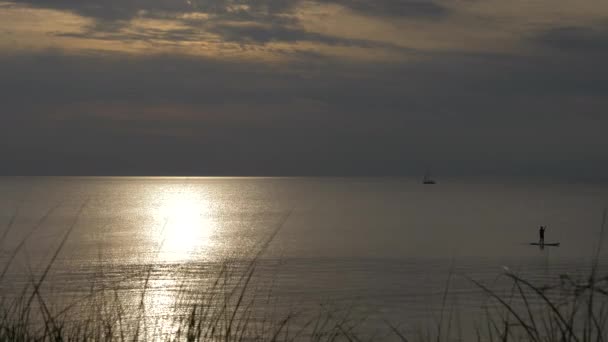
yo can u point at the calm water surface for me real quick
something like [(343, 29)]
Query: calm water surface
[(386, 248)]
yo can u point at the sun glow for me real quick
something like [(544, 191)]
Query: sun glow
[(188, 225)]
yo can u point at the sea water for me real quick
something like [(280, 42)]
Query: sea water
[(378, 250)]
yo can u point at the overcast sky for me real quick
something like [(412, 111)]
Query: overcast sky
[(491, 88)]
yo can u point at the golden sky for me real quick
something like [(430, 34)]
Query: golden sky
[(389, 30)]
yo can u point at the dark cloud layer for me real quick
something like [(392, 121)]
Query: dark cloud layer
[(127, 9), (576, 39), (464, 114), (262, 35), (112, 9), (272, 16), (397, 8), (228, 33)]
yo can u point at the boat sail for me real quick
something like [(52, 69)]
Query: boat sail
[(427, 178)]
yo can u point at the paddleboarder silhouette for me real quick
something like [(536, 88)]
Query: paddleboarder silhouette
[(541, 234)]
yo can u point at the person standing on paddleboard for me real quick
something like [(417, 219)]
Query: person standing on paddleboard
[(541, 233)]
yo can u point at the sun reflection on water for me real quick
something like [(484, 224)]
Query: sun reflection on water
[(188, 225), (183, 233)]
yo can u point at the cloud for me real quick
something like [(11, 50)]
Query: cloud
[(218, 31), (575, 39), (264, 34), (112, 9), (459, 113), (425, 9), (255, 22), (251, 31), (121, 34), (128, 9)]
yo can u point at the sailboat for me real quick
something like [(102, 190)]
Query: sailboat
[(427, 178)]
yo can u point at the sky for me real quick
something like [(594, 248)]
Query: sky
[(477, 88)]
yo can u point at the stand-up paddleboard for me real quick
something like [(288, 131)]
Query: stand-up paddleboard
[(554, 244)]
